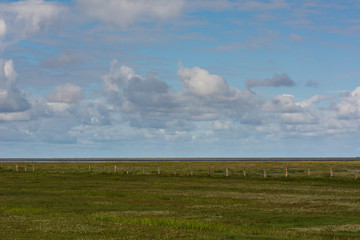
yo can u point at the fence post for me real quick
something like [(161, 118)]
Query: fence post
[(25, 167), (286, 172), (191, 171), (265, 173), (17, 168), (331, 172), (208, 171), (308, 171), (174, 170), (77, 167), (89, 168), (54, 166), (244, 170), (33, 168), (158, 169), (115, 169), (356, 174), (43, 167), (226, 172), (102, 168), (143, 170), (9, 167)]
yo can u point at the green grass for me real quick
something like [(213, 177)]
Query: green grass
[(68, 202)]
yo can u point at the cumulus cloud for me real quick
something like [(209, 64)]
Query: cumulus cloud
[(116, 81), (125, 13), (12, 99), (142, 100), (201, 82), (148, 101), (68, 93), (276, 81), (349, 106)]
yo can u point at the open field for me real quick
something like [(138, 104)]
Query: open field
[(65, 201)]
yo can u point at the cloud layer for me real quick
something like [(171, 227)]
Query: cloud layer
[(90, 73)]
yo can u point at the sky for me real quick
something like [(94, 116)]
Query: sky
[(179, 78)]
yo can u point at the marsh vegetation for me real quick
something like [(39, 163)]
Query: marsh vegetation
[(134, 201)]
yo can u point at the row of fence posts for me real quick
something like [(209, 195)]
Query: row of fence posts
[(128, 171)]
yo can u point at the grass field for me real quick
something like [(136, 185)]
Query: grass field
[(65, 201)]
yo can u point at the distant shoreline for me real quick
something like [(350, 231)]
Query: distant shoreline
[(247, 159)]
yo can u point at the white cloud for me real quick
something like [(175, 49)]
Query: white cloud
[(118, 77), (125, 13), (25, 18), (68, 93), (35, 13), (12, 99), (349, 106), (148, 101), (201, 82), (311, 101)]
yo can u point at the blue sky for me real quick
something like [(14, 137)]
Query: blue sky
[(179, 78)]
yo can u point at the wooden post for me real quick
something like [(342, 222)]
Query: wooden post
[(33, 168), (356, 174), (143, 170), (208, 171), (17, 168), (244, 170), (309, 172), (102, 168), (9, 167), (331, 172), (286, 172), (191, 171), (115, 169), (89, 168), (54, 166), (129, 170), (43, 167), (174, 170), (265, 173), (158, 168), (226, 172), (77, 167), (25, 168)]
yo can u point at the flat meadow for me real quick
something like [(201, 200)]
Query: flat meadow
[(180, 200)]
